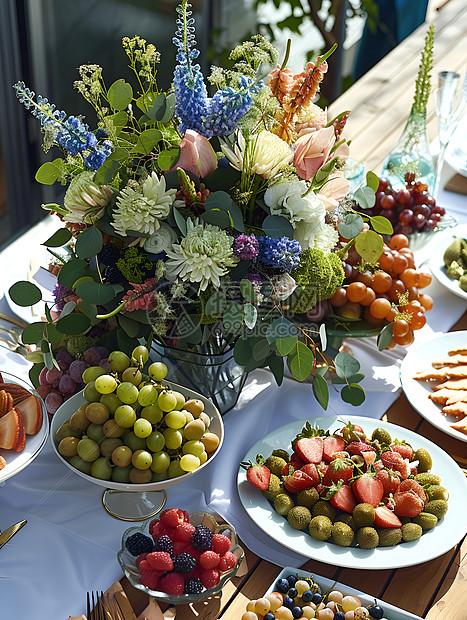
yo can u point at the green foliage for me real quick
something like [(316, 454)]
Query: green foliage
[(318, 275), (423, 81)]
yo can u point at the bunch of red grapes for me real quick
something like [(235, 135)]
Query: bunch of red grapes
[(409, 210), (390, 294)]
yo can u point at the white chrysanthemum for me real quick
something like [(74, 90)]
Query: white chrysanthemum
[(161, 240), (326, 238), (140, 210), (85, 200), (204, 255), (265, 154)]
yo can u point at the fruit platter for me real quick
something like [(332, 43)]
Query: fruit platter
[(298, 591), (365, 506)]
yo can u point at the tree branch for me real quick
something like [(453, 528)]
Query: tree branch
[(328, 36)]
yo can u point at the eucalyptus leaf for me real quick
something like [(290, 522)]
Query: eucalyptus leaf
[(369, 245), (217, 217), (281, 328), (68, 308), (353, 394), (247, 290), (48, 173), (381, 225), (131, 327), (89, 242), (276, 365), (168, 158), (300, 361), (120, 95), (34, 373), (277, 226), (33, 333), (385, 336), (118, 120), (179, 220), (90, 310), (365, 197), (35, 357), (242, 351), (216, 304), (372, 180), (261, 350), (321, 391), (356, 378), (351, 225), (346, 365), (285, 345), (233, 317), (72, 324), (192, 329), (97, 293), (59, 238), (250, 315), (147, 140), (25, 293)]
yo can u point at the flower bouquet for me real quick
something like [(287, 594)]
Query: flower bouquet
[(205, 225)]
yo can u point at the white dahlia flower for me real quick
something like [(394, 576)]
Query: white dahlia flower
[(264, 155), (85, 200)]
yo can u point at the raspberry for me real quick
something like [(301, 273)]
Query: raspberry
[(209, 559), (160, 529), (227, 561), (210, 577), (139, 543), (202, 538), (221, 543), (164, 544), (172, 517), (193, 586), (150, 578), (184, 563), (179, 547), (160, 560), (184, 531), (140, 558), (192, 551), (172, 583)]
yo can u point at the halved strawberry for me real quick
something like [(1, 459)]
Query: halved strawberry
[(288, 469), (11, 430), (298, 481), (310, 449), (257, 473), (368, 490), (18, 392), (310, 469), (404, 450), (340, 469), (331, 445), (31, 411), (342, 497), (385, 518), (390, 481), (358, 447), (407, 503), (369, 457), (296, 461)]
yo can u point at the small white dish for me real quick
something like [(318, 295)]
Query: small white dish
[(436, 262)]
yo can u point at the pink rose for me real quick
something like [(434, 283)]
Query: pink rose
[(312, 151), (196, 155), (335, 188)]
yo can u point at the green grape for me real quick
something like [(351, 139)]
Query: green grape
[(88, 449), (153, 413), (140, 355), (140, 476), (141, 459), (203, 457), (127, 393), (147, 395), (97, 413), (132, 375), (95, 432), (155, 442), (166, 401), (90, 393), (193, 447), (135, 443), (109, 445), (160, 462), (158, 371), (101, 469), (118, 361), (180, 399), (142, 428), (112, 429), (159, 477), (83, 466), (194, 429), (111, 401), (175, 470), (188, 416), (175, 419), (173, 438), (91, 373), (105, 384), (122, 456), (206, 419), (121, 474), (189, 462), (125, 416)]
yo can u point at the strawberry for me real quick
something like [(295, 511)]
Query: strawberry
[(310, 469), (172, 517), (331, 445), (310, 449), (407, 503), (340, 469), (390, 481), (288, 469), (369, 457), (358, 447), (368, 490), (412, 485), (342, 497), (385, 518), (296, 461), (404, 450), (393, 460), (172, 583), (298, 481), (257, 473)]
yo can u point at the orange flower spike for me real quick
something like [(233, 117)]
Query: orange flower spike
[(280, 82)]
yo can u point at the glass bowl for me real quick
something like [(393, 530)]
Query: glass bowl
[(127, 561), (17, 461)]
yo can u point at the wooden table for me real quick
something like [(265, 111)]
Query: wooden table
[(380, 103)]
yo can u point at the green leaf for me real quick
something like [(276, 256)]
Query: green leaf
[(145, 102), (346, 365), (59, 238), (261, 350), (75, 323), (33, 333), (321, 391), (168, 158), (35, 357), (300, 361), (292, 23), (192, 329), (247, 290), (217, 217), (120, 95), (34, 373), (25, 293), (179, 220), (163, 108), (351, 226), (119, 120), (277, 226), (276, 365), (285, 345), (359, 376), (233, 317), (365, 197), (281, 328), (369, 245), (131, 327), (97, 293), (242, 351), (48, 360), (53, 336), (250, 314), (222, 200), (381, 224), (353, 394), (216, 304), (107, 171), (48, 173), (323, 336), (385, 336), (73, 271), (372, 181), (89, 242), (147, 140), (90, 310)]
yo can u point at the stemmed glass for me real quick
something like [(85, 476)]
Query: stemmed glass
[(448, 115)]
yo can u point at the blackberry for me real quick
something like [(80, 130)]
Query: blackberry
[(113, 275), (193, 586), (109, 254), (184, 563), (139, 543), (164, 544), (201, 538)]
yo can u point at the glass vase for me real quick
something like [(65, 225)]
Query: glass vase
[(411, 153), (216, 376)]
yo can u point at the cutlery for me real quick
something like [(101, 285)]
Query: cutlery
[(11, 319), (10, 532)]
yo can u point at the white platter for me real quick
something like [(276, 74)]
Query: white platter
[(390, 611), (420, 358), (436, 262), (432, 544)]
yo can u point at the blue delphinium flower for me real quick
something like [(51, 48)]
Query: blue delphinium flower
[(282, 254), (97, 157)]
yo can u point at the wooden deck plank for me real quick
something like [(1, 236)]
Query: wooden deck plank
[(450, 601), (369, 581)]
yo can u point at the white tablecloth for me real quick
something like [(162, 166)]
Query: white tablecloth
[(70, 543)]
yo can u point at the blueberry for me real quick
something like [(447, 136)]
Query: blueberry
[(282, 585), (339, 616), (307, 596), (269, 616), (316, 598), (297, 612), (292, 592), (288, 602), (292, 580), (376, 611)]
